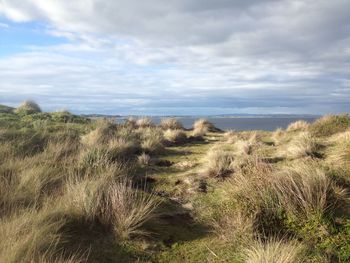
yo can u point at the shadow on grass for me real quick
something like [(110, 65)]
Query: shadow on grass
[(175, 224), (99, 244)]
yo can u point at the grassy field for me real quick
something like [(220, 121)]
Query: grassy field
[(79, 190)]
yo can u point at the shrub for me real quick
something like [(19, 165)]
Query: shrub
[(298, 126), (171, 123), (144, 122), (218, 163), (28, 107), (273, 250), (175, 136), (303, 145), (330, 124)]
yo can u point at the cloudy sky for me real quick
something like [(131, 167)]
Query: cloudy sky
[(176, 56)]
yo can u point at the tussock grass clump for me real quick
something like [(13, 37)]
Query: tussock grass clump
[(304, 190), (27, 236), (298, 126), (277, 136), (115, 204), (171, 123), (104, 132), (302, 145), (329, 125), (28, 107), (273, 250), (144, 159), (131, 122), (202, 127), (128, 209), (339, 151), (144, 122), (151, 140), (231, 136), (218, 163), (175, 136)]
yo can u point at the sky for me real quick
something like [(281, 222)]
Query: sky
[(185, 57)]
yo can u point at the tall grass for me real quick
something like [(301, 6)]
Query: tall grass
[(302, 145), (330, 124), (298, 126), (171, 123), (274, 251), (115, 204), (218, 163)]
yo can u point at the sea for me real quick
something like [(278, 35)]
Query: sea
[(239, 123)]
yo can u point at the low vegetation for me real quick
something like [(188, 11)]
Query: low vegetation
[(74, 189)]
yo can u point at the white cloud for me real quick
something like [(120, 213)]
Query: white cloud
[(235, 54)]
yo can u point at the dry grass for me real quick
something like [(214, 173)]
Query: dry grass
[(277, 136), (171, 123), (131, 122), (30, 234), (151, 140), (304, 191), (302, 145), (104, 132), (218, 163), (144, 159), (339, 151), (274, 251), (298, 126), (114, 203), (128, 209), (330, 124), (202, 127), (175, 136), (144, 122), (234, 226)]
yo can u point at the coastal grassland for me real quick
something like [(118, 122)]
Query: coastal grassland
[(73, 189)]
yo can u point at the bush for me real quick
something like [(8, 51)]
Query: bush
[(171, 123), (330, 124), (28, 107)]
